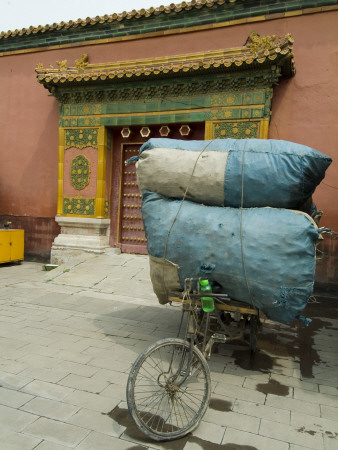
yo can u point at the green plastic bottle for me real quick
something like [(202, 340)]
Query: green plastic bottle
[(207, 302)]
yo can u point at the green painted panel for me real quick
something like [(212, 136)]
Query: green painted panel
[(81, 138), (237, 130), (79, 206)]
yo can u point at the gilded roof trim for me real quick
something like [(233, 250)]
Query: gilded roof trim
[(116, 17), (257, 50)]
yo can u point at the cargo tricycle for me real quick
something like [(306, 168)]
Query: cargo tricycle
[(169, 385)]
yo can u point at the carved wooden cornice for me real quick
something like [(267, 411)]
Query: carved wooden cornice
[(258, 51)]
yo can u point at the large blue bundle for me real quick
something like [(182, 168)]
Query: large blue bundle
[(261, 256), (232, 172)]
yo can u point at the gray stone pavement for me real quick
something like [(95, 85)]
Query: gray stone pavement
[(68, 338)]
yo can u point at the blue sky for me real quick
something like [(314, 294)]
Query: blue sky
[(18, 14)]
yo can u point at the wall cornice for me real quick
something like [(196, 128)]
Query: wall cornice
[(259, 52)]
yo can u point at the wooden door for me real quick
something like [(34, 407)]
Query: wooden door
[(132, 236), (127, 231)]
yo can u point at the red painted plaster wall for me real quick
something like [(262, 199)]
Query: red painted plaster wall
[(29, 140)]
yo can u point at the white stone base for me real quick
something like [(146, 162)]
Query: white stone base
[(79, 235)]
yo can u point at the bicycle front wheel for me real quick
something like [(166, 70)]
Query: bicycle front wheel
[(167, 396)]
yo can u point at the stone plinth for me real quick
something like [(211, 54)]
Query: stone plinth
[(79, 235)]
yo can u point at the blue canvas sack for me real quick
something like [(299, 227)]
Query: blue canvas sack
[(261, 256), (232, 172)]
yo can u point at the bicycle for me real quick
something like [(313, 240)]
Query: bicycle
[(169, 385)]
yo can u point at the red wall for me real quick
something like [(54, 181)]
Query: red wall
[(304, 107), (29, 140)]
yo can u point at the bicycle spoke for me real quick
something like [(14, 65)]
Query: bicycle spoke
[(169, 391)]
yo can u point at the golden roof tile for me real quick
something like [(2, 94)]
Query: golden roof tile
[(257, 50)]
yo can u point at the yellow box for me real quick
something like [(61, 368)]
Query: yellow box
[(11, 245)]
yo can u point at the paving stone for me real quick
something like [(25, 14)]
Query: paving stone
[(317, 424), (61, 328), (11, 343), (262, 411), (91, 401), (15, 419), (258, 376), (110, 363), (11, 367), (317, 398), (286, 371), (112, 376), (209, 432), (41, 350), (241, 393), (84, 370), (77, 279), (36, 331), (295, 382), (35, 339), (14, 381), (326, 376), (232, 369), (329, 412), (242, 439), (10, 397), (45, 362), (96, 343), (269, 385), (10, 440), (96, 421), (115, 391), (330, 441), (317, 380), (10, 320), (50, 408), (232, 419), (47, 445), (55, 431), (132, 342), (118, 352), (50, 375), (196, 444), (112, 331), (71, 338), (291, 434), (10, 354), (47, 390), (69, 346), (298, 447), (72, 356), (103, 442), (328, 390), (292, 404), (84, 383)]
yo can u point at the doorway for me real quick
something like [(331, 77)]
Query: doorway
[(127, 231)]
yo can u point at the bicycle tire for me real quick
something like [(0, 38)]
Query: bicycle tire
[(160, 408)]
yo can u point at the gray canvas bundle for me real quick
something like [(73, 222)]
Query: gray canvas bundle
[(261, 256), (232, 172)]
